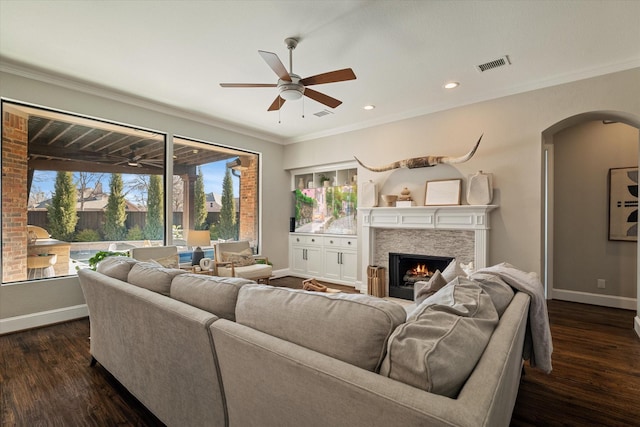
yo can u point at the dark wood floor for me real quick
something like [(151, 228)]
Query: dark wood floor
[(45, 378)]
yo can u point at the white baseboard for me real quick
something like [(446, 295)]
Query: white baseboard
[(280, 273), (636, 325), (43, 318), (595, 299)]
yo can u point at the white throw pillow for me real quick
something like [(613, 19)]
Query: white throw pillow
[(453, 270)]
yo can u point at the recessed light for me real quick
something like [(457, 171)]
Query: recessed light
[(369, 107), (451, 85)]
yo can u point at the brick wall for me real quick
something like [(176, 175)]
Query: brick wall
[(248, 228), (14, 196)]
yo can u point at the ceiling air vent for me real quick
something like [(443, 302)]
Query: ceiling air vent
[(322, 113), (500, 62)]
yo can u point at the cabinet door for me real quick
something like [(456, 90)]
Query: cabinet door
[(349, 266), (332, 263), (298, 261), (314, 261)]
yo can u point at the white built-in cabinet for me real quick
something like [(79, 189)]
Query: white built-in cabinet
[(306, 255), (324, 256), (333, 258)]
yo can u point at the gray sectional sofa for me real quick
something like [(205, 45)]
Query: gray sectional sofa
[(199, 350)]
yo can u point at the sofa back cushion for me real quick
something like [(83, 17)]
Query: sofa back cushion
[(150, 276), (117, 267), (443, 339), (350, 327), (217, 295)]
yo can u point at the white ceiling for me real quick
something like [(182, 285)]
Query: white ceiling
[(402, 52)]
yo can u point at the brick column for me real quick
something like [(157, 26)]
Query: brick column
[(248, 209), (14, 196)]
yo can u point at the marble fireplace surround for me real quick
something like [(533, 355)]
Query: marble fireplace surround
[(459, 231)]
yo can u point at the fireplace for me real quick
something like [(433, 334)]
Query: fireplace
[(406, 269), (459, 231)]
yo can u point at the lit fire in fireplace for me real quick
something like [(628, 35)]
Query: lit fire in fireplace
[(419, 272)]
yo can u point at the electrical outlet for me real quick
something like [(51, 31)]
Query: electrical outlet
[(602, 283)]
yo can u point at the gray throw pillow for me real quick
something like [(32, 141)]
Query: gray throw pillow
[(500, 292), (438, 347), (422, 292)]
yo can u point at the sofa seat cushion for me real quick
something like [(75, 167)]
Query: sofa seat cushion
[(117, 267), (353, 328), (251, 272), (150, 276), (217, 295), (438, 347)]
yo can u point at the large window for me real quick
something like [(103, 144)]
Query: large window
[(223, 196), (73, 187)]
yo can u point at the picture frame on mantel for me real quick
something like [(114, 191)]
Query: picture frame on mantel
[(623, 204), (445, 192)]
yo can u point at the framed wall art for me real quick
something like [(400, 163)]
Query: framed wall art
[(623, 204), (443, 192)]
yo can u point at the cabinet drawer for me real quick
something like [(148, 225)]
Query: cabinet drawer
[(342, 242), (305, 240)]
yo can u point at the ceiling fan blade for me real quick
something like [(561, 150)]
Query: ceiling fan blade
[(321, 98), (276, 65), (248, 84), (330, 77), (276, 104)]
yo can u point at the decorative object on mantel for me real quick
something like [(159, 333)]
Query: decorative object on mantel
[(389, 199), (423, 162), (404, 199), (369, 195), (480, 189), (442, 193), (301, 184)]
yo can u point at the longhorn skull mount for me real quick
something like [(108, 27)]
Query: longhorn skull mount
[(423, 162)]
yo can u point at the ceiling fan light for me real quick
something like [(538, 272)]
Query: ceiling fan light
[(290, 94), (132, 163)]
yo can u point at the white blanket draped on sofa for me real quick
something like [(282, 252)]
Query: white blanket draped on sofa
[(538, 350)]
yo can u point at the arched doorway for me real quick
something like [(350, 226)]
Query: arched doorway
[(557, 229)]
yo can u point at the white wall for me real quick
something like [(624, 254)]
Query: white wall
[(41, 296), (511, 149), (583, 155)]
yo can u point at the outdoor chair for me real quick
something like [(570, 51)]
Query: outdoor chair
[(236, 259)]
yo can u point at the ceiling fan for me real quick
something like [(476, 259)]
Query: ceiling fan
[(291, 86), (136, 159)]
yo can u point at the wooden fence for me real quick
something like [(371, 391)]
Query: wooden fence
[(93, 220)]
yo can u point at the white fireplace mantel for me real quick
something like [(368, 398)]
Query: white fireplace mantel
[(461, 217)]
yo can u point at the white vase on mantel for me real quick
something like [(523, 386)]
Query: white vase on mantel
[(480, 189)]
